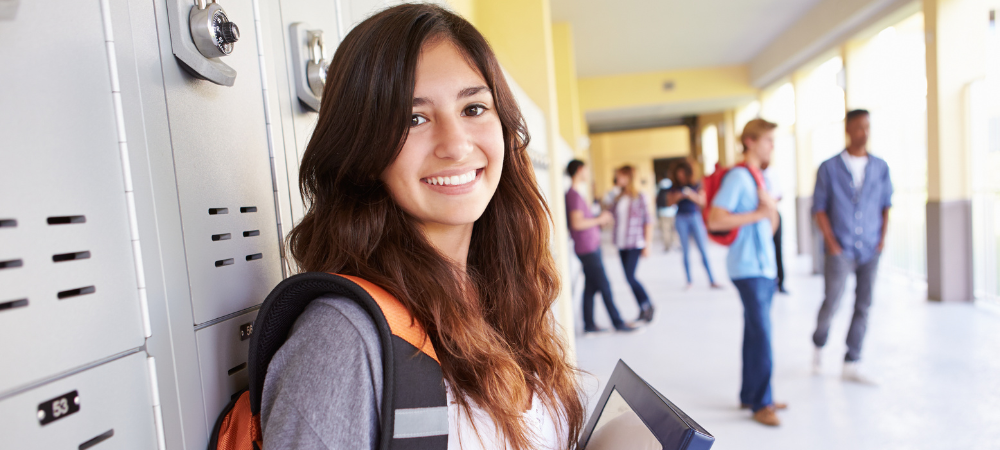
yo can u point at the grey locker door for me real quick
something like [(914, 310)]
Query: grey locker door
[(68, 290), (223, 169), (222, 356), (299, 120), (104, 408), (356, 11)]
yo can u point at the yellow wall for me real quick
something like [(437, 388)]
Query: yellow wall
[(520, 33), (622, 91), (638, 148), (465, 8), (955, 58), (571, 124)]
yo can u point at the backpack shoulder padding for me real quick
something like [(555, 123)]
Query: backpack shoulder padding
[(411, 373)]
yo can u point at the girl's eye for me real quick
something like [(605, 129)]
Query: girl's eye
[(474, 110), (417, 120)]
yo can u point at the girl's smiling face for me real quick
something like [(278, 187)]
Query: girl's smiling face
[(450, 164)]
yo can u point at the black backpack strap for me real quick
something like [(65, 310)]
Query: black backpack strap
[(414, 401)]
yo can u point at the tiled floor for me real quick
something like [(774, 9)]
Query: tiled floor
[(938, 364)]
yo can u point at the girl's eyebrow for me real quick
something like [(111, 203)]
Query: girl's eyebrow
[(464, 93), (470, 91)]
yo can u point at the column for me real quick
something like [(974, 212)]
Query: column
[(955, 34), (520, 32)]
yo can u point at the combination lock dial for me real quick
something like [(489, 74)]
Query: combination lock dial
[(211, 30)]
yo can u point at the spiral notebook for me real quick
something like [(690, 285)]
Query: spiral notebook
[(632, 415)]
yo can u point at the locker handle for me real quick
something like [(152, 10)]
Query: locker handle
[(76, 292), (8, 223), (11, 264), (64, 220), (73, 256), (97, 440), (14, 304)]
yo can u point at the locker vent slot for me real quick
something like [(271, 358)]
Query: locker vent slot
[(71, 256), (216, 211), (76, 292), (248, 209), (224, 262), (238, 368), (63, 220), (8, 223), (255, 256), (13, 304), (251, 233), (222, 237), (11, 264), (97, 440)]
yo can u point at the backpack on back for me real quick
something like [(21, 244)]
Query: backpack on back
[(414, 411), (711, 184)]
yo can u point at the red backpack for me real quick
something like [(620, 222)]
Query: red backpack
[(711, 184)]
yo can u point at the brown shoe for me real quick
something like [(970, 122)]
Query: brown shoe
[(767, 416), (778, 406)]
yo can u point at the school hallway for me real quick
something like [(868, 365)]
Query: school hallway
[(935, 362)]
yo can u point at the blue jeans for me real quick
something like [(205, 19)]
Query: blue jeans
[(758, 364), (630, 261), (691, 225), (594, 280)]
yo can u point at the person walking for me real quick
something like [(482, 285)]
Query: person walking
[(633, 231), (689, 199), (586, 232), (774, 188), (851, 206), (743, 203), (666, 213)]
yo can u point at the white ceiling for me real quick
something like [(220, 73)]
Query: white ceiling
[(629, 36)]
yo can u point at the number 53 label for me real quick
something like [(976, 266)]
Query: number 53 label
[(52, 410)]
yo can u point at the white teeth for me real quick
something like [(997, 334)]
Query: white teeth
[(454, 180)]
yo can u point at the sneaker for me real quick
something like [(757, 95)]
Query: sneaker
[(716, 286), (767, 416), (852, 374), (777, 405), (587, 332), (817, 365), (625, 328)]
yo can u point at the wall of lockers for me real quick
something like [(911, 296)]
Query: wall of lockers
[(148, 172)]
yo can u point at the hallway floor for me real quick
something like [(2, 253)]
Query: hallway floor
[(938, 365)]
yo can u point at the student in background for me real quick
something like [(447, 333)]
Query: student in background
[(666, 213), (586, 232), (743, 203), (689, 199), (632, 234), (851, 205)]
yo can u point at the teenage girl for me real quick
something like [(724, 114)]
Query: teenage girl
[(418, 181), (690, 199), (632, 233)]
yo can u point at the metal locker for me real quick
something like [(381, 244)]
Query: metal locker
[(222, 355), (356, 11), (301, 25), (224, 184), (68, 289), (107, 407)]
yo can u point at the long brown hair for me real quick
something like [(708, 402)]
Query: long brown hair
[(630, 190), (491, 325)]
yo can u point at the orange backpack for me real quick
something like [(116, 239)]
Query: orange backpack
[(414, 413)]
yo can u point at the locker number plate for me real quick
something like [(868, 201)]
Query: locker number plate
[(52, 410), (245, 331)]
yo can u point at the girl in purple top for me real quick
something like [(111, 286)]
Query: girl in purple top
[(586, 232), (632, 233)]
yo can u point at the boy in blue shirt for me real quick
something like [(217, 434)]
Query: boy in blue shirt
[(744, 204)]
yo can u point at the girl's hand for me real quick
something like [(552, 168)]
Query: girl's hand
[(645, 252)]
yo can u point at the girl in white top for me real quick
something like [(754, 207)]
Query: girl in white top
[(418, 181)]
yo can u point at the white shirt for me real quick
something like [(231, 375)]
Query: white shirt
[(856, 165), (772, 183), (462, 435)]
